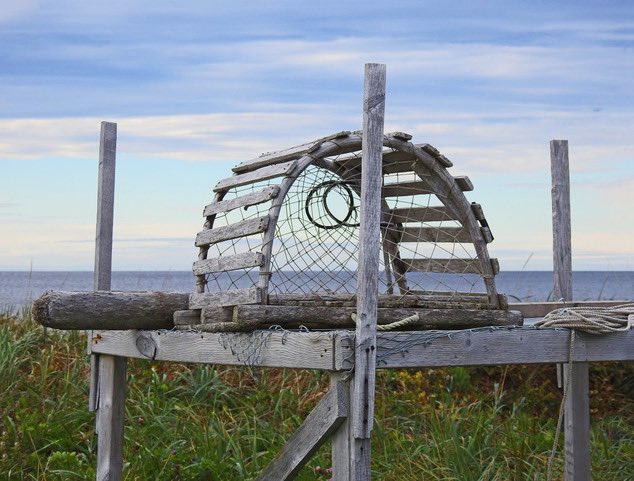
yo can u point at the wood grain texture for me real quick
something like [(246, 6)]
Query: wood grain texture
[(420, 214), (108, 309), (292, 153), (105, 206), (234, 297), (540, 309), (244, 260), (110, 417), (435, 234), (263, 316), (451, 265), (259, 175), (520, 345), (301, 350), (369, 255), (562, 247), (247, 200), (327, 416), (232, 231)]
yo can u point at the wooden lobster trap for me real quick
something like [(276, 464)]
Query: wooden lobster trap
[(280, 243)]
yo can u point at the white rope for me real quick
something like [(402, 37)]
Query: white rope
[(392, 325), (592, 320)]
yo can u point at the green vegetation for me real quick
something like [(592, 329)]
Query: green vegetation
[(192, 422)]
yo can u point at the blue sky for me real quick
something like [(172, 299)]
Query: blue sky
[(198, 86)]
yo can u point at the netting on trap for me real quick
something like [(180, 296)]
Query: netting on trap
[(285, 228)]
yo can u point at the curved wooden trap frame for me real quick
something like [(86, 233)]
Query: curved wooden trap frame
[(248, 208)]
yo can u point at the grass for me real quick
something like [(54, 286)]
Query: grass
[(196, 422)]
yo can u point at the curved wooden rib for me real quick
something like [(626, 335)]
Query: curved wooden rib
[(469, 224)]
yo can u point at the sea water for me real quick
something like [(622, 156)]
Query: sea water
[(19, 289)]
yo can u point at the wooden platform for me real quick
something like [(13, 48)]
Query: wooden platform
[(334, 350)]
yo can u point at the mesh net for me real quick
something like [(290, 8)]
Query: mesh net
[(316, 243)]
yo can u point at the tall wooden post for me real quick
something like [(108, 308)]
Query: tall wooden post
[(108, 373), (368, 271), (576, 410)]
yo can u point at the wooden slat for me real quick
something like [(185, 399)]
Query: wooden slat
[(431, 150), (400, 135), (301, 350), (540, 309), (262, 316), (253, 198), (414, 298), (521, 345), (186, 317), (232, 231), (243, 260), (403, 189), (265, 173), (251, 295), (420, 214), (327, 416), (464, 183), (435, 234), (451, 265), (285, 155)]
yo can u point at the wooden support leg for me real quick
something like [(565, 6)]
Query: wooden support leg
[(577, 424), (341, 441), (327, 416), (110, 417)]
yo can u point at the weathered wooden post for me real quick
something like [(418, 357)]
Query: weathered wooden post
[(576, 410), (362, 402), (108, 373)]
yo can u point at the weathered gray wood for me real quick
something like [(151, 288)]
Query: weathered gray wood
[(540, 309), (247, 200), (520, 345), (427, 299), (110, 417), (243, 260), (264, 173), (464, 183), (327, 416), (431, 150), (341, 446), (461, 266), (187, 317), (285, 155), (562, 247), (403, 189), (577, 423), (250, 295), (576, 410), (301, 350), (210, 315), (263, 316), (108, 310), (105, 206), (102, 274), (368, 271), (232, 231), (435, 234), (420, 214)]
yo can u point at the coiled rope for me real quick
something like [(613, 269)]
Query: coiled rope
[(591, 320)]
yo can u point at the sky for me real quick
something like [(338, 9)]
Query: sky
[(196, 87)]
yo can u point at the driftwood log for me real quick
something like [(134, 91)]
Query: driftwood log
[(108, 309)]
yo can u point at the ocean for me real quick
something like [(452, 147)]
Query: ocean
[(19, 289)]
